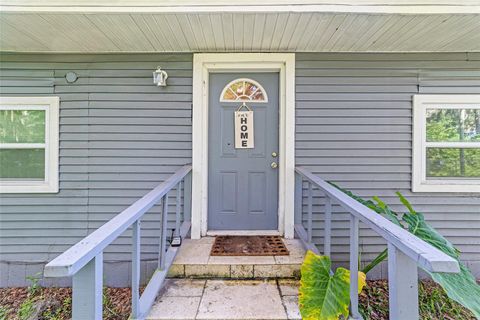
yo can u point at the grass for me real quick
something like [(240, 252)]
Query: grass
[(433, 302)]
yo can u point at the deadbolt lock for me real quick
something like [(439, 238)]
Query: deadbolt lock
[(274, 154), (274, 165)]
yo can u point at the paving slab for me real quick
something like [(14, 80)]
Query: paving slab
[(183, 288), (288, 287), (291, 307), (241, 260), (193, 252), (240, 271), (276, 271), (244, 299), (174, 308), (207, 271)]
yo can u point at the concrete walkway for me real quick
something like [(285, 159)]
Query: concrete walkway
[(227, 299)]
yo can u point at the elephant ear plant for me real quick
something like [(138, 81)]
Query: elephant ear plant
[(461, 287), (323, 295)]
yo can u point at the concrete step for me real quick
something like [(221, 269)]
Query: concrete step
[(194, 261), (190, 299)]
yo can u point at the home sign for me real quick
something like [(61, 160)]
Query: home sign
[(244, 136)]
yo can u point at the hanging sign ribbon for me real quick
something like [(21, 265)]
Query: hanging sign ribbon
[(244, 128)]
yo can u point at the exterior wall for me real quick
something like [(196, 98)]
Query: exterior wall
[(354, 127), (120, 136)]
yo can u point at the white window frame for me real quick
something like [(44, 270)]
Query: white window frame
[(420, 183), (51, 107)]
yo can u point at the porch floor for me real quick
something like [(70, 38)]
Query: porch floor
[(227, 299), (194, 261)]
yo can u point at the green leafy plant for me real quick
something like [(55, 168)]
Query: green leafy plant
[(461, 287), (323, 295), (27, 307), (3, 313)]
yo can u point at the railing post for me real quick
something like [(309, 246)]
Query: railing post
[(135, 269), (328, 227), (354, 314), (163, 235), (402, 285), (298, 199), (177, 209), (87, 290), (310, 213), (187, 197)]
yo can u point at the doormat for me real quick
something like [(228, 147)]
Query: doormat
[(249, 246)]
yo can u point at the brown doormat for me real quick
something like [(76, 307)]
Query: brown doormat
[(249, 246)]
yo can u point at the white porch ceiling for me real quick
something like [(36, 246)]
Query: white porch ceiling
[(214, 27)]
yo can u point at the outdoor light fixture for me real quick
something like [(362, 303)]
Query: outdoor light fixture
[(160, 77)]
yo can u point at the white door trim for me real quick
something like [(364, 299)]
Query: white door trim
[(203, 64)]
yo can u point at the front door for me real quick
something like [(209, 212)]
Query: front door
[(243, 176)]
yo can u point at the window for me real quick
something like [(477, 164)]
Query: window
[(243, 90), (29, 144), (446, 143)]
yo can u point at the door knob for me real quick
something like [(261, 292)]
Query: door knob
[(274, 154), (274, 165)]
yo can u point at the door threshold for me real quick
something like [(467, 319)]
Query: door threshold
[(244, 233)]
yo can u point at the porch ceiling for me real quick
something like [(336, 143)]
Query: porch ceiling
[(214, 26)]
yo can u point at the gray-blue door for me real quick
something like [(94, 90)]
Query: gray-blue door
[(242, 185)]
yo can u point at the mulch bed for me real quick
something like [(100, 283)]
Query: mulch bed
[(249, 246), (117, 303)]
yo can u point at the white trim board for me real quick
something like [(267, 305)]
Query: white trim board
[(51, 107), (420, 183), (175, 6), (203, 64)]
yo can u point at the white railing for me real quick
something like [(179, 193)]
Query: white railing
[(84, 261), (405, 251)]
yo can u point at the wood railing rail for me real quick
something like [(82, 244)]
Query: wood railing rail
[(84, 260), (405, 251)]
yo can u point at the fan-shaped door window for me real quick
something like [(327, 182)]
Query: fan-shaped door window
[(243, 90)]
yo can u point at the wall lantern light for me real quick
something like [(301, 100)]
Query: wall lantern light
[(160, 77)]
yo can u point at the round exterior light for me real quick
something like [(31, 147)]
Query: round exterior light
[(71, 77)]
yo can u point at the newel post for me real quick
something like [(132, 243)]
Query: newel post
[(402, 285), (87, 290)]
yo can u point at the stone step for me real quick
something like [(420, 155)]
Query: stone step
[(194, 261), (190, 299)]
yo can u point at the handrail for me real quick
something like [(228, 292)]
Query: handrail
[(84, 260), (427, 256), (75, 258), (405, 251)]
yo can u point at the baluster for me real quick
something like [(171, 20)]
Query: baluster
[(163, 235), (187, 197), (298, 199), (135, 269), (310, 213), (177, 209), (354, 268), (87, 286), (402, 285), (328, 226)]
